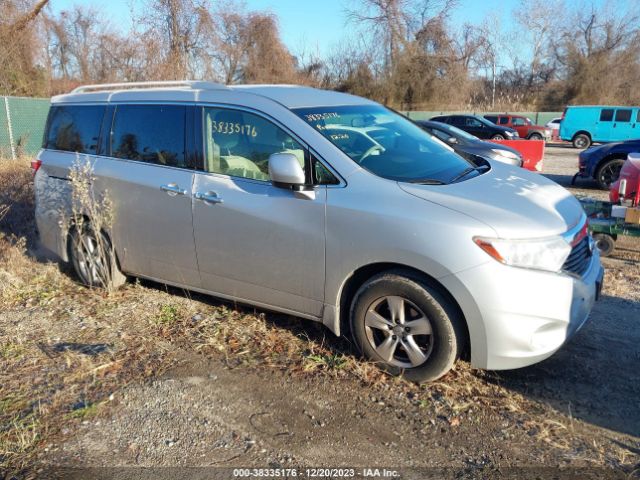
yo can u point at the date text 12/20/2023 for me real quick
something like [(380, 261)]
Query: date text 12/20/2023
[(268, 473)]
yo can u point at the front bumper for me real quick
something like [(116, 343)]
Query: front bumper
[(526, 315)]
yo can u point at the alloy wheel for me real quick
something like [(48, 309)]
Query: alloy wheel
[(399, 331)]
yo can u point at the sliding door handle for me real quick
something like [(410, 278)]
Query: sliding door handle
[(209, 197)]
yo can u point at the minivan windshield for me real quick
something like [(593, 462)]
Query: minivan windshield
[(387, 144)]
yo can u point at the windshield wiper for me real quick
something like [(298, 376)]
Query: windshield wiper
[(427, 181), (467, 171)]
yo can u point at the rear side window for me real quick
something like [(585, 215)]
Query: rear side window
[(74, 128), (623, 115), (606, 115), (504, 120), (150, 133)]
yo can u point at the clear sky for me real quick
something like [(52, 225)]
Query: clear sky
[(310, 25)]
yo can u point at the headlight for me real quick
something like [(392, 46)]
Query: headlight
[(505, 153), (509, 134), (542, 254)]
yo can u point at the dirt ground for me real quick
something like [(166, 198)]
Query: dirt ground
[(217, 405)]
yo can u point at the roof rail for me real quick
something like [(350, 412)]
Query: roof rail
[(193, 84)]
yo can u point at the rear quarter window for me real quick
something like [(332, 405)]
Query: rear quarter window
[(74, 128)]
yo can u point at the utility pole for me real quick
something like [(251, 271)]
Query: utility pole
[(493, 92)]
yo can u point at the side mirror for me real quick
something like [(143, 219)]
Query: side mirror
[(285, 170), (452, 140)]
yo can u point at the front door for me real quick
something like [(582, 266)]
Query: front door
[(149, 180), (256, 242)]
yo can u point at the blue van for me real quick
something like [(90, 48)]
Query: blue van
[(585, 125)]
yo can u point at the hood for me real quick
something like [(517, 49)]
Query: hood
[(514, 202)]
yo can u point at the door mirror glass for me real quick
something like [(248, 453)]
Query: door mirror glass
[(285, 170)]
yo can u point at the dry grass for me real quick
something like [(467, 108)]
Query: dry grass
[(64, 349)]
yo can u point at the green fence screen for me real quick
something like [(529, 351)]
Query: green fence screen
[(22, 123)]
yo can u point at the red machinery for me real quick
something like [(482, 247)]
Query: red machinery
[(628, 183)]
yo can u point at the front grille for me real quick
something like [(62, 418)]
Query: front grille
[(579, 258)]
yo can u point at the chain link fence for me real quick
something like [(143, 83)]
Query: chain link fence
[(22, 122)]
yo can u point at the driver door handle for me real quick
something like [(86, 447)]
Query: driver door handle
[(209, 197), (173, 189)]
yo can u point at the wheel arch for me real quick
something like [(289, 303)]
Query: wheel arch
[(582, 132), (357, 278)]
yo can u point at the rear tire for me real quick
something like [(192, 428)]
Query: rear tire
[(406, 326), (581, 141), (605, 243), (609, 172), (93, 258), (497, 136)]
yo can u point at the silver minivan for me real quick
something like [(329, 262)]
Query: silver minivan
[(326, 206)]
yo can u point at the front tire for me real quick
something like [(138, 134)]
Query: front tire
[(406, 326), (535, 136), (93, 258), (497, 136), (609, 172)]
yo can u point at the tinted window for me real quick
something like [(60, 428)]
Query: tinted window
[(407, 152), (74, 128), (623, 115), (239, 143), (150, 133), (504, 120), (492, 118), (457, 120), (473, 122), (606, 115)]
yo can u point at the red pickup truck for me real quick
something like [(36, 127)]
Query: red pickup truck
[(523, 125)]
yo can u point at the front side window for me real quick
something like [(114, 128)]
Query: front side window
[(492, 118), (473, 122), (239, 143), (504, 120), (623, 115), (150, 133), (74, 128), (518, 122), (606, 115), (385, 143)]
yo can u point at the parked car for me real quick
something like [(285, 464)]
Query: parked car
[(603, 163), (466, 144), (554, 123), (478, 126), (523, 125), (250, 194), (554, 126), (584, 125)]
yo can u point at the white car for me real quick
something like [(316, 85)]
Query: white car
[(554, 126)]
